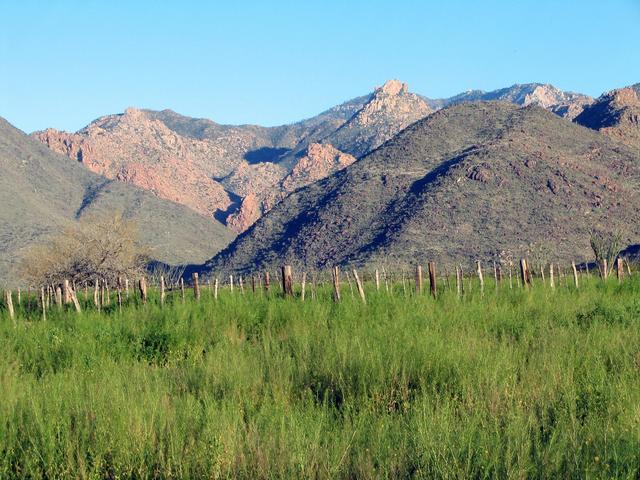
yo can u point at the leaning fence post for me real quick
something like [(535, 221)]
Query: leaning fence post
[(196, 286), (74, 299), (480, 277), (359, 286), (433, 286), (162, 294), (9, 302), (377, 280), (575, 274), (335, 273)]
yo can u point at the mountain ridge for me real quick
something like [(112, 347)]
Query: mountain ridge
[(477, 179)]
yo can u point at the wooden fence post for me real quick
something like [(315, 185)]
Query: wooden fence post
[(196, 286), (480, 277), (182, 288), (231, 283), (604, 269), (119, 286), (359, 285), (96, 295), (620, 269), (74, 299), (575, 274), (336, 284), (287, 280), (43, 303), (241, 284), (510, 275), (551, 282), (267, 282), (303, 285), (459, 285), (253, 284), (58, 296), (524, 273), (142, 286), (377, 280), (433, 286), (215, 288), (419, 280), (9, 303), (66, 292), (126, 288), (162, 293)]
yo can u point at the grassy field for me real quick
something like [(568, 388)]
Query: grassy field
[(538, 384)]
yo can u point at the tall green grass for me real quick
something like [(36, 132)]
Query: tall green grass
[(513, 384)]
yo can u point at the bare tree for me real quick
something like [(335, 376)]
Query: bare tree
[(101, 247)]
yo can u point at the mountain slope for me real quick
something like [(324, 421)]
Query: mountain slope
[(41, 192), (469, 181), (617, 114)]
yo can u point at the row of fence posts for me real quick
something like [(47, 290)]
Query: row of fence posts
[(65, 293)]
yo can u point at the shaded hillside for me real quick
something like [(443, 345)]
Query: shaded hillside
[(616, 113), (469, 181), (41, 192)]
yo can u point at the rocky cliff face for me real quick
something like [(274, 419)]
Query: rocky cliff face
[(617, 114), (135, 149)]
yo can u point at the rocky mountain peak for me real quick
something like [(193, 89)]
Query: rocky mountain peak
[(392, 88)]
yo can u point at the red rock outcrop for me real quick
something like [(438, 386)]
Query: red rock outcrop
[(319, 161), (250, 210)]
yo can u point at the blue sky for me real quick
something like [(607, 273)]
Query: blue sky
[(64, 63)]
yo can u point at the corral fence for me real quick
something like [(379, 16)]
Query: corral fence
[(99, 295)]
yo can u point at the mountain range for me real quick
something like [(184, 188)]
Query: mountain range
[(237, 173), (391, 175)]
